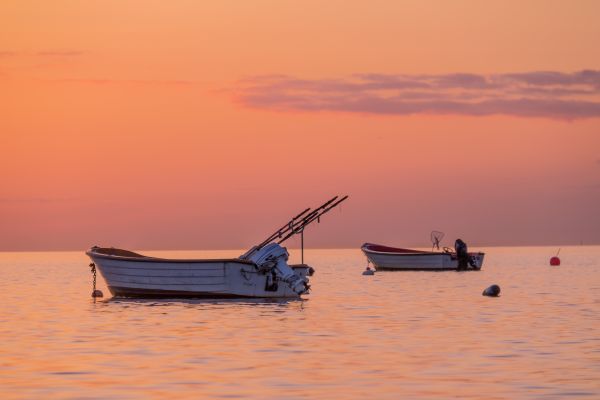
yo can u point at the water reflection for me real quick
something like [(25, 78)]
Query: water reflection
[(263, 306), (392, 335)]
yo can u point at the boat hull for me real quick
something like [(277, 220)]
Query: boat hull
[(413, 260), (221, 278)]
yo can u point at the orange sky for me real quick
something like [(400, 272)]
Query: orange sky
[(148, 124)]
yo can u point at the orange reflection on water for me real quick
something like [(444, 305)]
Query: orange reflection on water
[(393, 335)]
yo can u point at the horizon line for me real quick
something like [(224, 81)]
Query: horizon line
[(292, 248)]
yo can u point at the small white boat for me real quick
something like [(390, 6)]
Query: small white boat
[(261, 272), (392, 258), (129, 274)]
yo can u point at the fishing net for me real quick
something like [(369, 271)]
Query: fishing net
[(436, 237)]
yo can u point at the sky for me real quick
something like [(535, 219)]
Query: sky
[(206, 125)]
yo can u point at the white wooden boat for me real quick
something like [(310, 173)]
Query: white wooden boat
[(129, 274), (393, 258), (261, 272)]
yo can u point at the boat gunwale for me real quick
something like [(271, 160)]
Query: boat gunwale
[(399, 251), (365, 248), (126, 292), (407, 254), (418, 269), (142, 258)]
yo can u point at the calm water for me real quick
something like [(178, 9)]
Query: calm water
[(389, 336)]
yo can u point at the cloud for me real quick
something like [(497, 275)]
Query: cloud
[(547, 94), (60, 53), (43, 53), (35, 199), (6, 53), (547, 78), (135, 82)]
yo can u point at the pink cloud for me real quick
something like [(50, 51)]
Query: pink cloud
[(60, 53), (546, 94), (7, 53), (102, 81)]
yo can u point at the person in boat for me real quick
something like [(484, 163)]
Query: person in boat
[(462, 254)]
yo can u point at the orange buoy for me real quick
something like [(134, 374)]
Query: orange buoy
[(555, 260)]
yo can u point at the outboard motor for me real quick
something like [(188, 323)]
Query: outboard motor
[(273, 256), (462, 254)]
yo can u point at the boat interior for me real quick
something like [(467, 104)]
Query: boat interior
[(387, 249), (114, 252), (111, 251)]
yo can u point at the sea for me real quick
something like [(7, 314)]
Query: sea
[(393, 335)]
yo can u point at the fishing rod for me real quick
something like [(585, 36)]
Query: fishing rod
[(279, 232), (315, 215), (292, 224), (296, 226)]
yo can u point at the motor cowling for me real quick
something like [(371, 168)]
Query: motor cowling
[(275, 256), (460, 247), (464, 258), (461, 253)]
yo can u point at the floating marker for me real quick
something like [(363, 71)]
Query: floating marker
[(97, 293), (492, 291), (368, 271), (555, 261)]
